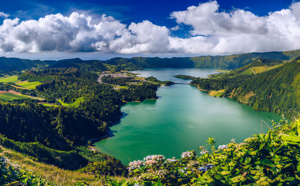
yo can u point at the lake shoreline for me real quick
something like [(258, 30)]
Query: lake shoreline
[(181, 120)]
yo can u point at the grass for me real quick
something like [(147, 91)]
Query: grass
[(261, 69), (223, 71), (49, 105), (29, 85), (216, 93), (11, 97), (76, 103), (8, 79), (50, 173)]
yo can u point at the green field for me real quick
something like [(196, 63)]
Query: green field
[(74, 104), (11, 97), (8, 79), (29, 85)]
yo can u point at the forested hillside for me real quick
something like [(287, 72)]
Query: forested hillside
[(13, 65), (276, 90), (219, 62)]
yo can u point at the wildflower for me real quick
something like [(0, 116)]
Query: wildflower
[(186, 154), (150, 162), (183, 170), (171, 160), (209, 166), (135, 164), (233, 140), (221, 147), (204, 152), (154, 157), (202, 169)]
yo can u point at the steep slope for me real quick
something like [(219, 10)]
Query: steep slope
[(276, 90)]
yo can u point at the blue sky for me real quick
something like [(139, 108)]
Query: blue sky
[(146, 28)]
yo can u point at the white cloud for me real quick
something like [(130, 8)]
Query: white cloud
[(240, 31), (213, 32), (2, 14)]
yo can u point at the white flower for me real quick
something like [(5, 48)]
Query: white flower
[(204, 152), (186, 154), (221, 147)]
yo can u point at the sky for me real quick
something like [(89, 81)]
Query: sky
[(102, 29)]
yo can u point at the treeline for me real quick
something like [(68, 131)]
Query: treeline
[(122, 81), (139, 92), (184, 77), (58, 128), (219, 62), (276, 90), (155, 80), (64, 159)]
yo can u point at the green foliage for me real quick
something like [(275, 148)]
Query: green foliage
[(154, 80), (63, 159), (184, 77), (139, 92), (275, 90), (122, 81)]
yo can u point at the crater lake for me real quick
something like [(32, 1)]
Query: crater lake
[(181, 119)]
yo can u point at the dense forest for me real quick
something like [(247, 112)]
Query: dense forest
[(54, 130), (275, 90)]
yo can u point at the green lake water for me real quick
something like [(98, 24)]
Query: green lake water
[(181, 119)]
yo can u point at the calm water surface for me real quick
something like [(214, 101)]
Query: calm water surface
[(181, 119)]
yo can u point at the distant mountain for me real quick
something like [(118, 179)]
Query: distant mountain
[(89, 65), (219, 62), (13, 65)]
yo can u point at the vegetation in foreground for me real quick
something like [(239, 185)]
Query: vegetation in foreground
[(270, 158)]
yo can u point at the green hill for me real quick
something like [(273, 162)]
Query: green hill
[(219, 62), (16, 65), (276, 90)]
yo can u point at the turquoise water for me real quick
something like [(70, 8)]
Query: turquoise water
[(181, 119)]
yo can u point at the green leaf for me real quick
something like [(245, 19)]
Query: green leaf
[(287, 165), (290, 138), (290, 178), (261, 146), (266, 162), (248, 160)]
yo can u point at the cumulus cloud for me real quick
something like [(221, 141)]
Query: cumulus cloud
[(213, 32), (240, 31)]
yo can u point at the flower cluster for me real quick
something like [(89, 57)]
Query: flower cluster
[(221, 147), (204, 152), (135, 164), (171, 160), (150, 162), (186, 154), (205, 167), (154, 157)]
